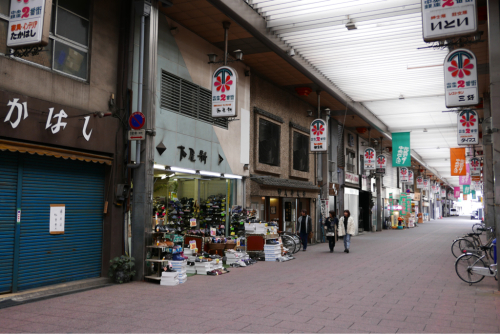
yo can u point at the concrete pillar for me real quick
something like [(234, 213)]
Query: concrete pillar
[(494, 48)]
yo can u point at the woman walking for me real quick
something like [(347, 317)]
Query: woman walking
[(346, 229), (331, 224)]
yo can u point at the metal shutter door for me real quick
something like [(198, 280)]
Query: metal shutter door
[(8, 196), (48, 259)]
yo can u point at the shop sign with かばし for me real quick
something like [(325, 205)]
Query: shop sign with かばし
[(56, 121)]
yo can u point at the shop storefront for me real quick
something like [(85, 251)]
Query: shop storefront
[(351, 198), (54, 199)]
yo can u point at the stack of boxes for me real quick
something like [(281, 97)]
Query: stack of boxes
[(272, 251), (234, 257), (169, 278), (181, 268), (260, 228)]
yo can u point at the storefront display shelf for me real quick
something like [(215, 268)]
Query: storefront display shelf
[(265, 236)]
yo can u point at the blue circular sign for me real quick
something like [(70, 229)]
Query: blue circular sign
[(137, 120)]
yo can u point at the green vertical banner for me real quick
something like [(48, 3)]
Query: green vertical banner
[(473, 192), (466, 189), (401, 149)]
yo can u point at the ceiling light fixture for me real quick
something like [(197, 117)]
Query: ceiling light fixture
[(231, 176), (209, 173), (351, 26), (182, 170), (155, 166), (425, 130)]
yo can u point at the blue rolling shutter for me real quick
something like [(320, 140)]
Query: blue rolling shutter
[(8, 195), (49, 259)]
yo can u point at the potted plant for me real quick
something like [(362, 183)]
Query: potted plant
[(121, 269)]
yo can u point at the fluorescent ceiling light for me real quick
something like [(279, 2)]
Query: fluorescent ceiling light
[(232, 176), (159, 166), (163, 177), (209, 173), (182, 170)]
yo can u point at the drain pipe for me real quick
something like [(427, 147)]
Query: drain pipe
[(139, 92)]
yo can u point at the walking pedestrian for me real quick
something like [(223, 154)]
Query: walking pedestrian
[(346, 229), (304, 228), (331, 224)]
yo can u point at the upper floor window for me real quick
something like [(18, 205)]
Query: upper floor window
[(350, 161), (300, 152), (68, 46), (269, 142)]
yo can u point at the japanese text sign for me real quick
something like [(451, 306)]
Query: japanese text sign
[(369, 159), (443, 193), (448, 18), (318, 135), (57, 218), (457, 161), (224, 82), (29, 23), (475, 167), (456, 192), (403, 174), (465, 179), (466, 189), (401, 149), (381, 163), (420, 182), (460, 79), (468, 128), (426, 183), (411, 180)]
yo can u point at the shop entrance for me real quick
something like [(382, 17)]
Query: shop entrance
[(289, 214), (364, 210)]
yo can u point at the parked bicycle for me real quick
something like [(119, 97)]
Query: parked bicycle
[(291, 241), (472, 241), (473, 266)]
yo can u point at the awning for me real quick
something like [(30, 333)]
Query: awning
[(7, 145), (283, 183)]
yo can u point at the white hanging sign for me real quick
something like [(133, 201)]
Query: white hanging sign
[(468, 127), (369, 159), (57, 218), (442, 19), (318, 135), (460, 79), (29, 23), (475, 167), (410, 177), (224, 82), (403, 174), (426, 183), (381, 163), (443, 193), (420, 182)]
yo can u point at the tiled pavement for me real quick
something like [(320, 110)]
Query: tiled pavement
[(392, 281)]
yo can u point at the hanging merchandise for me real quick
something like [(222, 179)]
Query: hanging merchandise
[(468, 127), (460, 79), (475, 167), (369, 159), (381, 163), (420, 182), (403, 174), (462, 180), (456, 192), (401, 149), (457, 161)]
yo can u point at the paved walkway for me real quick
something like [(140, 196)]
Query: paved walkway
[(392, 281)]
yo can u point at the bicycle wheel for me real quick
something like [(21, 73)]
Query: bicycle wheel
[(289, 243), (463, 267), (458, 246), (476, 226), (298, 243)]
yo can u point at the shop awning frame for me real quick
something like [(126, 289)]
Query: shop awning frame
[(12, 146)]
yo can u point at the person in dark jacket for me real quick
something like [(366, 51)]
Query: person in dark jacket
[(304, 228), (331, 224)]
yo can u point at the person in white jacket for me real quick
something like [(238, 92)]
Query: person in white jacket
[(346, 229)]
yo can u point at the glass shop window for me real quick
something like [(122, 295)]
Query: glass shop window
[(300, 152), (68, 46), (269, 143)]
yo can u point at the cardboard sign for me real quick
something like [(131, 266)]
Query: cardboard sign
[(192, 222), (192, 244)]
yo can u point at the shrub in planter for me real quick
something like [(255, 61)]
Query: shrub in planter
[(121, 269)]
